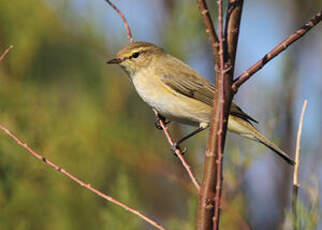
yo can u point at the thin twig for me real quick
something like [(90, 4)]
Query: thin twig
[(127, 27), (277, 50), (210, 29), (296, 184), (4, 54), (179, 153), (80, 182)]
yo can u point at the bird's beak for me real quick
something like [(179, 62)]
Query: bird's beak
[(114, 61)]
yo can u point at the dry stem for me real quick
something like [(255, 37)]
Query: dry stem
[(298, 145), (296, 184)]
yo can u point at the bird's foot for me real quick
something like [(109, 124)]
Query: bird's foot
[(157, 121), (175, 147)]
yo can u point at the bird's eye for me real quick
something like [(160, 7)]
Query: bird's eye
[(136, 54)]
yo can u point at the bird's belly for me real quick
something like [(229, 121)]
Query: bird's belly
[(171, 104)]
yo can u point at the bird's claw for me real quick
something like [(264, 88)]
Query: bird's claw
[(157, 122), (157, 125), (175, 147)]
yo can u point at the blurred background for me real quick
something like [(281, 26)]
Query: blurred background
[(60, 97)]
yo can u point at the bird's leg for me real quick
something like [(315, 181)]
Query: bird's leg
[(157, 121), (176, 144)]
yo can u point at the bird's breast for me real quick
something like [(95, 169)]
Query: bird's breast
[(168, 102)]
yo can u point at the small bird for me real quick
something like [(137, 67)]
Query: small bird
[(180, 94)]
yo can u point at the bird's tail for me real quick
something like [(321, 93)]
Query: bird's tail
[(253, 134), (261, 139)]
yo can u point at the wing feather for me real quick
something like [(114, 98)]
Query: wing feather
[(188, 82)]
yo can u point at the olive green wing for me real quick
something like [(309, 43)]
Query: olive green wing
[(199, 90), (187, 82)]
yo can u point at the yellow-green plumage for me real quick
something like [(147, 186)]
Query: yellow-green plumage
[(179, 93)]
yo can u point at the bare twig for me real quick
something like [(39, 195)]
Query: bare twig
[(127, 27), (296, 184), (210, 29), (179, 153), (277, 50), (80, 182), (4, 54)]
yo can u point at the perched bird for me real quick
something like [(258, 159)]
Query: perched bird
[(179, 93)]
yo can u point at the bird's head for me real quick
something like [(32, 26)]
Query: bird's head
[(137, 56)]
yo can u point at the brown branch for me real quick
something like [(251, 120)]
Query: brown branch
[(219, 149), (210, 29), (228, 47), (210, 195), (277, 50), (232, 27), (178, 152), (80, 182), (127, 27), (296, 184), (5, 53)]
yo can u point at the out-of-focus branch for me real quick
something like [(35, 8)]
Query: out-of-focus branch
[(80, 182), (5, 53), (210, 29), (296, 184), (298, 146), (277, 50), (127, 27), (178, 153)]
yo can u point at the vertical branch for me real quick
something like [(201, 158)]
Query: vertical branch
[(232, 27), (210, 29), (296, 184), (207, 190), (219, 149), (210, 195)]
